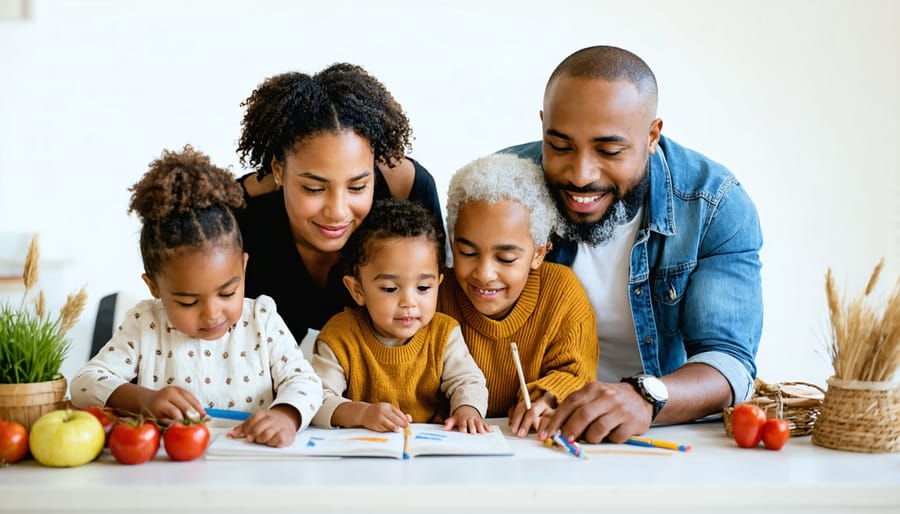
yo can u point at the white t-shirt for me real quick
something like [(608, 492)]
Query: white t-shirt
[(608, 265)]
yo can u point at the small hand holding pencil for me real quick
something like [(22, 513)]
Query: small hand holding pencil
[(521, 421)]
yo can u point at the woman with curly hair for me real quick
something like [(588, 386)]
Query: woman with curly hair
[(323, 148), (199, 343)]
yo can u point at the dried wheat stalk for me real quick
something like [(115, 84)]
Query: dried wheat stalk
[(865, 338), (30, 276), (71, 310), (75, 303)]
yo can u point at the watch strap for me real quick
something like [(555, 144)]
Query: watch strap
[(637, 382)]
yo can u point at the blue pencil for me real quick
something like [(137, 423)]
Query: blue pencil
[(227, 414), (656, 443), (562, 441)]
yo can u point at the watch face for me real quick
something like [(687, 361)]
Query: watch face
[(656, 388)]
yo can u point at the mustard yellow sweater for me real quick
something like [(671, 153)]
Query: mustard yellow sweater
[(553, 325), (413, 377)]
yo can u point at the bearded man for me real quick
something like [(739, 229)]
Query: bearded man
[(665, 241)]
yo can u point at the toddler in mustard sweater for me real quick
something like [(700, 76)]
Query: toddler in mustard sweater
[(500, 217), (394, 360)]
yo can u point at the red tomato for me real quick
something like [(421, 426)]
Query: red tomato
[(776, 433), (186, 439), (134, 441), (13, 441), (747, 422), (106, 416)]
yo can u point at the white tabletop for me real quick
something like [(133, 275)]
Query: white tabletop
[(715, 476)]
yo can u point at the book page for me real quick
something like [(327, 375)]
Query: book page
[(426, 439), (429, 439), (350, 442), (316, 442)]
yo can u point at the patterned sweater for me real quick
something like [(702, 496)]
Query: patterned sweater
[(255, 365)]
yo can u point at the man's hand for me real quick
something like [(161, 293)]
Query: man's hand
[(600, 411)]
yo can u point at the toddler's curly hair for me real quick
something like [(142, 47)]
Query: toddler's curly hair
[(392, 218)]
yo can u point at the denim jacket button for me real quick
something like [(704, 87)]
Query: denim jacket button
[(648, 340), (672, 293), (637, 291)]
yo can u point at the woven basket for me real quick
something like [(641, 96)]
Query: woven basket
[(798, 403), (25, 403), (860, 416)]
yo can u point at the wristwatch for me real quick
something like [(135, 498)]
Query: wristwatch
[(651, 389)]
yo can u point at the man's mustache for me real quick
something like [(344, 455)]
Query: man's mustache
[(590, 188)]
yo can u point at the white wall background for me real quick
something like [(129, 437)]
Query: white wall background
[(798, 98)]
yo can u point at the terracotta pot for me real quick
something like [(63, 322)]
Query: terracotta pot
[(25, 403)]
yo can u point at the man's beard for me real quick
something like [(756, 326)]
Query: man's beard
[(621, 211)]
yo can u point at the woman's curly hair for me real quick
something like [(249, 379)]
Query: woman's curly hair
[(184, 200), (287, 108)]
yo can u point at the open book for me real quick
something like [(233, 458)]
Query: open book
[(423, 439)]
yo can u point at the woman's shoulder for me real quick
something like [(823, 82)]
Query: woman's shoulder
[(408, 179), (254, 186), (399, 178)]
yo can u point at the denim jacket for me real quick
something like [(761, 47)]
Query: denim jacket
[(694, 286)]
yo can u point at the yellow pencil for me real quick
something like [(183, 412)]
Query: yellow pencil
[(522, 384), (407, 433), (656, 443)]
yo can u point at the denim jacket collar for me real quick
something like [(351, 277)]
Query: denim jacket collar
[(660, 217)]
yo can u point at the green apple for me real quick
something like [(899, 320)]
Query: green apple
[(64, 438)]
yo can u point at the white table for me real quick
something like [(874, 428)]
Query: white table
[(715, 477)]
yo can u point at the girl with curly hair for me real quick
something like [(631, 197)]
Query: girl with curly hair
[(200, 343)]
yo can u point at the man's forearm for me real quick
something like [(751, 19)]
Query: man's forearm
[(695, 390)]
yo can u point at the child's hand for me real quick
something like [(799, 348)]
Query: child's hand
[(274, 427), (522, 420), (468, 420), (172, 403), (384, 417)]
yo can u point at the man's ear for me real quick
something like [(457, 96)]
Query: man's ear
[(355, 289), (150, 285), (653, 137)]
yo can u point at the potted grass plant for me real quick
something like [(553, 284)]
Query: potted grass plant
[(33, 346)]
